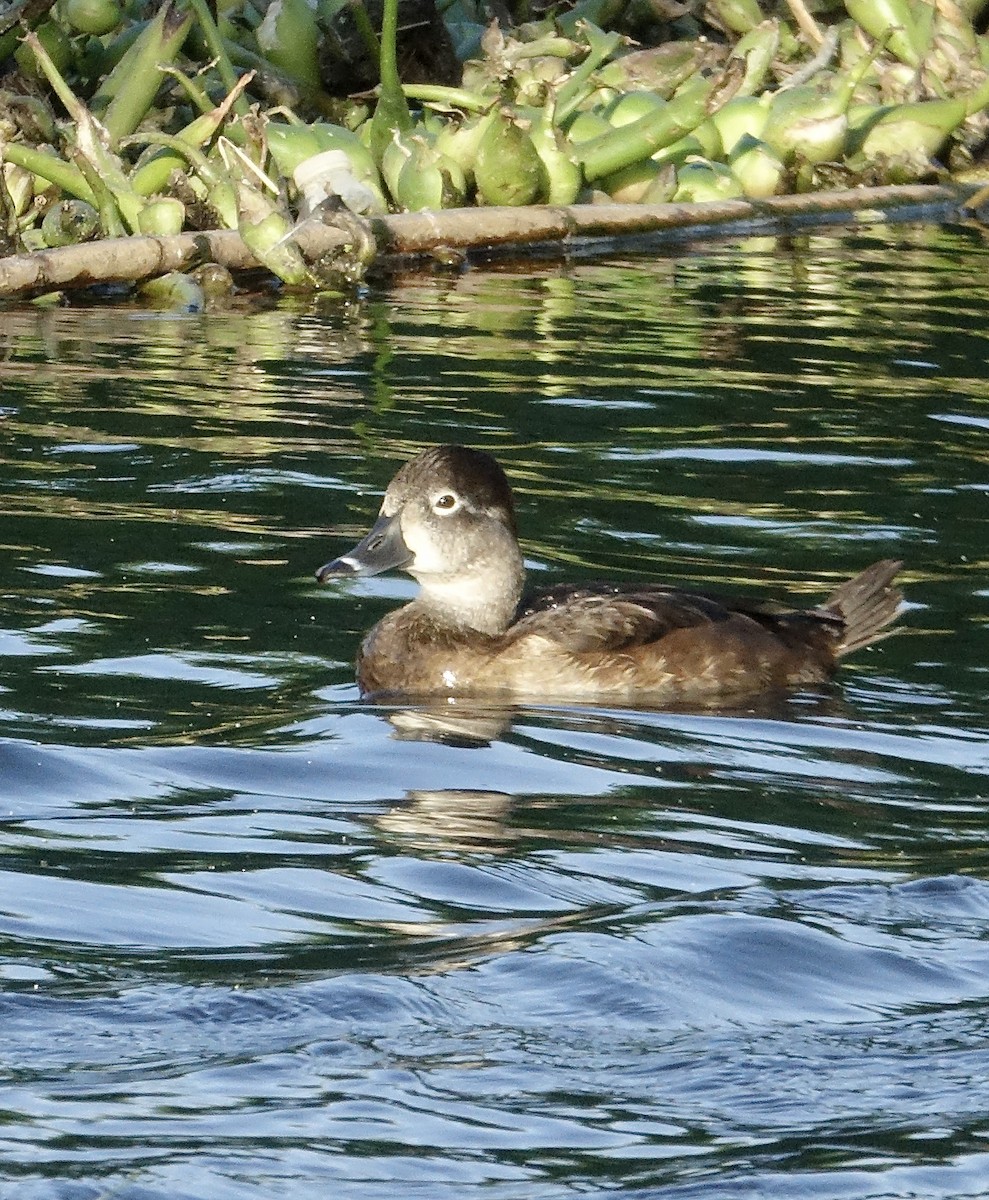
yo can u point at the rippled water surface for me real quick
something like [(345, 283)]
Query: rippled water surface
[(259, 938)]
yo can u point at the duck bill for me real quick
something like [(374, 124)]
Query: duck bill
[(383, 549)]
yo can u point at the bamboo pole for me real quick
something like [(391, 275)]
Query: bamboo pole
[(482, 232)]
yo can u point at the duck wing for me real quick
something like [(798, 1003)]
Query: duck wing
[(604, 616)]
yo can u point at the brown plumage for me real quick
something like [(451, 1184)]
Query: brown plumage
[(448, 519)]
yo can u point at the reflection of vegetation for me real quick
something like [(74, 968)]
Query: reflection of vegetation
[(380, 375)]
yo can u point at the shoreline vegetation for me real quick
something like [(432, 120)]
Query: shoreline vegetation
[(177, 146)]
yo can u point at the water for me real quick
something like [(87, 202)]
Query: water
[(258, 936)]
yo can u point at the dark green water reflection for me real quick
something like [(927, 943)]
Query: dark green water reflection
[(257, 935)]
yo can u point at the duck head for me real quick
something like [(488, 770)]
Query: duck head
[(448, 519)]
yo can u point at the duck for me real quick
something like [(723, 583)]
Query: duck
[(472, 631)]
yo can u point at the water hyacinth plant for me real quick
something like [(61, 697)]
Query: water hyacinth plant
[(119, 118)]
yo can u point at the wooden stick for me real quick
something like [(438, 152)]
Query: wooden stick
[(481, 232)]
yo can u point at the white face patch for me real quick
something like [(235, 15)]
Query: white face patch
[(430, 557), (450, 679)]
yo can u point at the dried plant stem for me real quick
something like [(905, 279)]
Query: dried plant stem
[(808, 26)]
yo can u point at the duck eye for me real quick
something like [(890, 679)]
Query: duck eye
[(445, 502)]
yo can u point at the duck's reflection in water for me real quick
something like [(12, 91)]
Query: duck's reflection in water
[(471, 724), (459, 818), (452, 723), (637, 758)]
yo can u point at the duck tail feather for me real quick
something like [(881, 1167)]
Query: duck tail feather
[(866, 605)]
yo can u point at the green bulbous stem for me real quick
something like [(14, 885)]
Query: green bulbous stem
[(757, 167), (453, 97), (893, 23), (757, 50), (620, 148), (174, 292), (106, 202), (153, 176), (288, 37), (221, 194), (508, 169), (631, 106), (805, 124), (291, 145), (587, 125), (632, 184), (429, 180), (70, 222), (217, 47), (393, 159), (562, 177), (917, 129), (677, 153), (163, 218), (392, 111), (127, 94), (701, 181), (97, 17), (741, 116), (55, 170), (737, 16), (55, 41), (266, 239), (601, 46)]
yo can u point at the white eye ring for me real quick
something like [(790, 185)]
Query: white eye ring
[(446, 503)]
